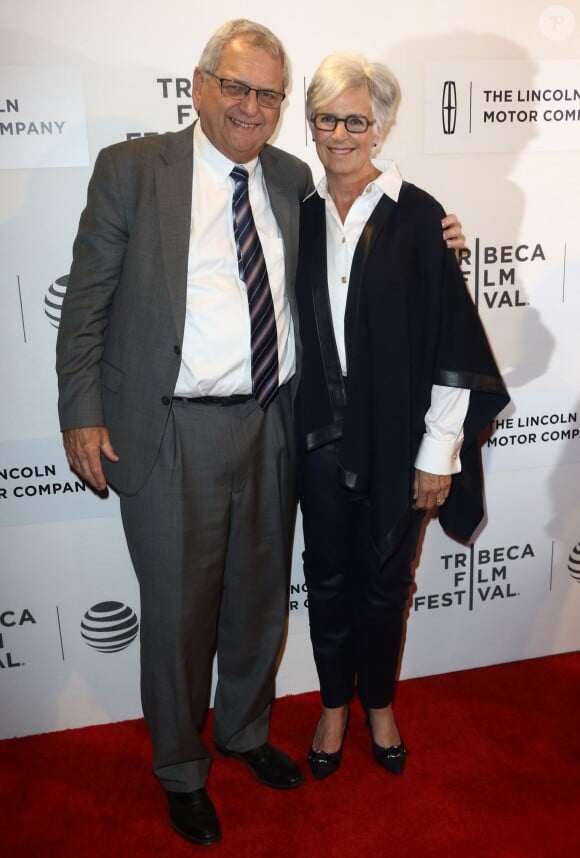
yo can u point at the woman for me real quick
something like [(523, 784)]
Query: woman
[(397, 379)]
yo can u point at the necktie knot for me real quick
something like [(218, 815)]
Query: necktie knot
[(239, 174)]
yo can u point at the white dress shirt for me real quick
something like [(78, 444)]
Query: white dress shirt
[(441, 443), (216, 351)]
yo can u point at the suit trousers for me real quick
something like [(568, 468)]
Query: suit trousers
[(210, 539), (356, 609)]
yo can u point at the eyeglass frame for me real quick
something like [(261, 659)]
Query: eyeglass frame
[(248, 89), (345, 120)]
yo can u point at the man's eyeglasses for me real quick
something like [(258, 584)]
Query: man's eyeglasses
[(237, 90), (354, 124)]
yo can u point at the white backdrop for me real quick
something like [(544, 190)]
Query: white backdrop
[(489, 123)]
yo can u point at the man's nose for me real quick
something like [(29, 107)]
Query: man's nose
[(249, 102)]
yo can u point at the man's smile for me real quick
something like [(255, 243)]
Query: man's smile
[(241, 124)]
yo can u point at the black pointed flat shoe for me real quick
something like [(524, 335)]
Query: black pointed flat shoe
[(391, 759)]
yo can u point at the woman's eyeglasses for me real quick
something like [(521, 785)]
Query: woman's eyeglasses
[(354, 124)]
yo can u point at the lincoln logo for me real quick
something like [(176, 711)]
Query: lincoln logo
[(449, 107)]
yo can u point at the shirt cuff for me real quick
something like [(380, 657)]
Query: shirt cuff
[(441, 443), (439, 457)]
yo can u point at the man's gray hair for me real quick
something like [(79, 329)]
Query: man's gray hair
[(344, 71), (252, 33)]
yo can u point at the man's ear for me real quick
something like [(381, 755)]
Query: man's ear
[(196, 87)]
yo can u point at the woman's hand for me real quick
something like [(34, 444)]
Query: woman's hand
[(452, 234), (430, 490)]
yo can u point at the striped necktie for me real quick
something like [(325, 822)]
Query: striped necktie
[(252, 268)]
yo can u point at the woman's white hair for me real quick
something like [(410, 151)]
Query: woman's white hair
[(352, 71)]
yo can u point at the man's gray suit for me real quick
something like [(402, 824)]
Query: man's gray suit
[(118, 358)]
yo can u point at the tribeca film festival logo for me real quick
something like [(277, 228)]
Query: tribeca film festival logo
[(178, 88), (109, 626), (494, 273), (53, 300), (10, 620), (477, 576)]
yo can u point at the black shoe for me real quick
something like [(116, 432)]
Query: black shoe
[(393, 758), (193, 816), (323, 764), (272, 767)]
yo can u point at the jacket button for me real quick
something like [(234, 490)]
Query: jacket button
[(177, 350), (165, 400)]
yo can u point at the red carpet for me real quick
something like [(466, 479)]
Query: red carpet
[(493, 770)]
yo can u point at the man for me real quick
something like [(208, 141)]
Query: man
[(158, 357), (155, 380)]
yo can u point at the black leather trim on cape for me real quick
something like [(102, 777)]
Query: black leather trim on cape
[(330, 361), (409, 323)]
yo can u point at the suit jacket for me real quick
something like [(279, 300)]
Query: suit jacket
[(409, 323), (123, 316)]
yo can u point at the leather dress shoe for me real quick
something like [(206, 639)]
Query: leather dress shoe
[(272, 767), (323, 764), (392, 759), (193, 816)]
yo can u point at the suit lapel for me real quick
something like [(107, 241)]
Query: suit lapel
[(173, 178), (286, 208), (278, 196)]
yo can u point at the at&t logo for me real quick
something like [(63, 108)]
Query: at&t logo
[(574, 563), (109, 626), (53, 300)]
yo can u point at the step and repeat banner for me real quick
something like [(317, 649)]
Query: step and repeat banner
[(489, 123)]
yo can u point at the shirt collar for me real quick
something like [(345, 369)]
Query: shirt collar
[(213, 160), (389, 182)]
